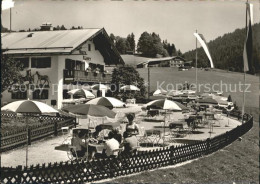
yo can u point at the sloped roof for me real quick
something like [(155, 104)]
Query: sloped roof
[(158, 60), (51, 40), (133, 59), (44, 42)]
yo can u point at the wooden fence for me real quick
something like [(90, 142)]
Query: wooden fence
[(124, 164), (50, 125)]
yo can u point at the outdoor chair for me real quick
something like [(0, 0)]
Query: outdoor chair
[(154, 136), (65, 130), (175, 129)]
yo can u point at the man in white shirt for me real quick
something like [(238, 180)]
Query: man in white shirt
[(111, 145)]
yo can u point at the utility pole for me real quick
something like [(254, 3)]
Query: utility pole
[(148, 81), (196, 68), (10, 19)]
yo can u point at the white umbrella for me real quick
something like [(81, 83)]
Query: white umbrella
[(174, 93), (28, 106), (84, 92), (107, 102), (164, 104), (99, 87), (130, 88), (188, 91), (159, 92)]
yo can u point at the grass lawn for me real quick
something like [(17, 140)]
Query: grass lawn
[(238, 162)]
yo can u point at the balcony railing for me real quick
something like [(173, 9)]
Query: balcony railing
[(86, 76)]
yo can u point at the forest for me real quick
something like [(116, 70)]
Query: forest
[(227, 51)]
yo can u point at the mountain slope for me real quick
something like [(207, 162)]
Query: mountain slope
[(227, 50)]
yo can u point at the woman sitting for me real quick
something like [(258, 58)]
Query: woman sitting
[(131, 127)]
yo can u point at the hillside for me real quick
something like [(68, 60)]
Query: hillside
[(227, 50)]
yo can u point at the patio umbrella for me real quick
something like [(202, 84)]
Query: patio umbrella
[(90, 110), (159, 92), (130, 88), (28, 106), (207, 101), (164, 104), (174, 93), (99, 87), (83, 92), (108, 102)]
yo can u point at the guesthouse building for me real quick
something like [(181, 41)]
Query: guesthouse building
[(54, 61), (174, 61)]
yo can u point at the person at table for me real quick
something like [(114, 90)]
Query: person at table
[(111, 145), (79, 142), (130, 142), (131, 127)]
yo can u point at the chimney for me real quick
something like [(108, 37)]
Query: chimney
[(46, 27)]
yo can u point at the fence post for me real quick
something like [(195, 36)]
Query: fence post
[(29, 136), (171, 155), (208, 146), (75, 122), (19, 174), (55, 128)]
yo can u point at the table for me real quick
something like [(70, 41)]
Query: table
[(152, 113), (99, 147)]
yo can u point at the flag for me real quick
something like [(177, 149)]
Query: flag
[(203, 43), (6, 4), (248, 46)]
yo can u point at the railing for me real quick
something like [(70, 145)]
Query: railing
[(49, 126), (86, 76), (89, 171)]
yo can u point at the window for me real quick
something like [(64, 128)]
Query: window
[(41, 62), (89, 47), (74, 65), (41, 94), (19, 95), (24, 62), (65, 94)]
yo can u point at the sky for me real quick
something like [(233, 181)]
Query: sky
[(174, 20)]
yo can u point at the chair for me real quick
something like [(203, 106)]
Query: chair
[(65, 130), (175, 131), (154, 136)]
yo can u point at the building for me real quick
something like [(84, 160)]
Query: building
[(175, 61), (54, 61)]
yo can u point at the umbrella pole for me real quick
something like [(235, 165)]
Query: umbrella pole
[(164, 128), (88, 137), (26, 157)]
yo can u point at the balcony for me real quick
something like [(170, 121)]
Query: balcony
[(86, 76)]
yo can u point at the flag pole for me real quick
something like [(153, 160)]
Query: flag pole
[(243, 106), (196, 67)]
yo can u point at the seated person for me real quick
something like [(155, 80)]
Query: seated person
[(130, 142), (79, 142), (111, 145), (131, 127)]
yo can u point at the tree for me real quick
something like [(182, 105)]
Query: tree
[(127, 75), (112, 37), (150, 45), (121, 45), (10, 72), (131, 40), (229, 98), (63, 27)]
